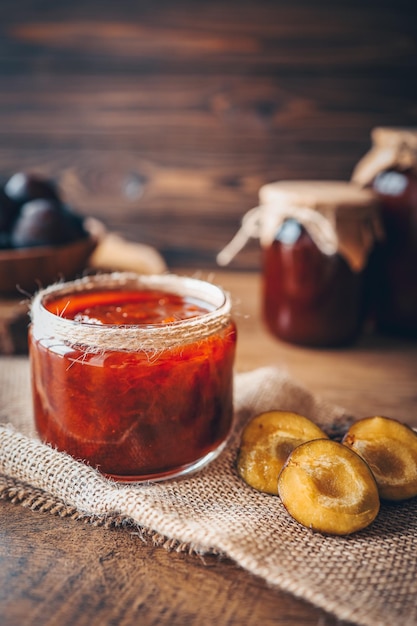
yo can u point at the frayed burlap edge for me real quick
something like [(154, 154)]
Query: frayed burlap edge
[(38, 501)]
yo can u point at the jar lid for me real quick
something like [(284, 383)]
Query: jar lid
[(320, 195), (395, 136), (339, 216), (392, 148)]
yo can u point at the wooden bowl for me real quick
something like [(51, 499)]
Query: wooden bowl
[(25, 270)]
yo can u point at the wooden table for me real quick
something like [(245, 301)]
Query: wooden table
[(58, 571)]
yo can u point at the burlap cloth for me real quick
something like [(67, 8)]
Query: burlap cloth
[(368, 578)]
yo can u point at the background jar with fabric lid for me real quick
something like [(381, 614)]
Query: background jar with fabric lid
[(390, 169), (316, 238)]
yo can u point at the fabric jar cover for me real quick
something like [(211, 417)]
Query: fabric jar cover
[(392, 148), (340, 217)]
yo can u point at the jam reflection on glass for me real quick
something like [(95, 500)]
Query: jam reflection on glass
[(395, 270), (309, 298), (134, 415)]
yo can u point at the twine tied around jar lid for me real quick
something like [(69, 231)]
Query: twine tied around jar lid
[(340, 217), (149, 338), (392, 148)]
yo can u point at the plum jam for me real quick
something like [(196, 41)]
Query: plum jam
[(134, 375), (317, 239), (309, 298), (390, 169)]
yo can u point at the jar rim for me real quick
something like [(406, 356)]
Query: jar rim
[(46, 323)]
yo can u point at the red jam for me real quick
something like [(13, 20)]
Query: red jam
[(126, 307), (309, 298), (134, 415), (395, 278)]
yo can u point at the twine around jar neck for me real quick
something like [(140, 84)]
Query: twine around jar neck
[(264, 221), (149, 338)]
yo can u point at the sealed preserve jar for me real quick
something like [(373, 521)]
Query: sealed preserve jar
[(316, 237), (134, 374), (390, 169)]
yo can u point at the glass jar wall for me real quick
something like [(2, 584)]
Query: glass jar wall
[(134, 375), (390, 170), (316, 238)]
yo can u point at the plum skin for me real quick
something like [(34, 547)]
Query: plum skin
[(44, 222), (23, 187), (33, 214)]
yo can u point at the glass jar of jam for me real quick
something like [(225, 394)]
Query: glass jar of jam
[(390, 169), (316, 237), (133, 374)]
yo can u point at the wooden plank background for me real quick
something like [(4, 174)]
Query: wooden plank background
[(163, 118)]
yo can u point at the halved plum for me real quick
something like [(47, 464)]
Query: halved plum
[(390, 449), (266, 443), (327, 487)]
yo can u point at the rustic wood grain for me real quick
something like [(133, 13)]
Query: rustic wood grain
[(164, 119), (14, 321), (58, 571), (70, 573)]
